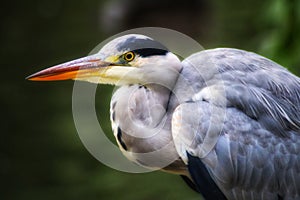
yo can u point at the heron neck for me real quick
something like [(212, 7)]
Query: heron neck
[(142, 124)]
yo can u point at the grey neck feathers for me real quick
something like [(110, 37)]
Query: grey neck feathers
[(141, 114)]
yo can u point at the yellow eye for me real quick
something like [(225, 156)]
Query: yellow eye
[(129, 56)]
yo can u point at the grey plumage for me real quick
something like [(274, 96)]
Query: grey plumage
[(226, 119), (257, 153)]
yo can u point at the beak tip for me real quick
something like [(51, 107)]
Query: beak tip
[(32, 77), (70, 70), (29, 78)]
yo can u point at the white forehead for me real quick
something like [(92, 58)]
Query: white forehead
[(124, 43)]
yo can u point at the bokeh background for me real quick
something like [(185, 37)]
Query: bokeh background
[(41, 155)]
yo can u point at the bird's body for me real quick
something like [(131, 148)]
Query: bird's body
[(257, 152), (226, 119)]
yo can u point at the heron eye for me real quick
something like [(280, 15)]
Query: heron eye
[(129, 56)]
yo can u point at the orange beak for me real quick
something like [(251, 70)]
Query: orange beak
[(80, 68)]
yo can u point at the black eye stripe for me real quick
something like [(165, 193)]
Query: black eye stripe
[(133, 43), (145, 52), (142, 46)]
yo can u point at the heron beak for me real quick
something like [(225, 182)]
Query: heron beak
[(90, 66)]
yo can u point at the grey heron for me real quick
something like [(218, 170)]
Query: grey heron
[(250, 104)]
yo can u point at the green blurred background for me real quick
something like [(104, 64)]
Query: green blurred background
[(41, 155)]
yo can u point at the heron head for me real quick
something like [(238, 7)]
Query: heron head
[(129, 59)]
